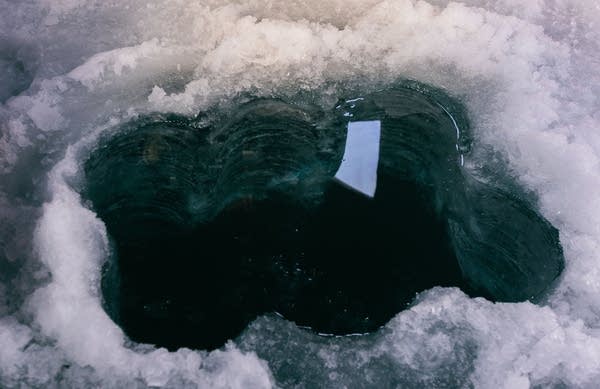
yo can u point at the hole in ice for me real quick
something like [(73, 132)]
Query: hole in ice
[(215, 224)]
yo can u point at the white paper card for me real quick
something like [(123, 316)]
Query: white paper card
[(361, 157)]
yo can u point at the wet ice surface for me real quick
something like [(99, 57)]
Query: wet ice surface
[(17, 67), (527, 73)]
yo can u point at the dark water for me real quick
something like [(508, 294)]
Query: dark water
[(219, 219)]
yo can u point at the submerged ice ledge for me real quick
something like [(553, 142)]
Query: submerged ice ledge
[(216, 224)]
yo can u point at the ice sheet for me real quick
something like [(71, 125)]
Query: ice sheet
[(527, 72)]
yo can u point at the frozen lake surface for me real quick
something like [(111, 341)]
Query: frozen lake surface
[(75, 73)]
